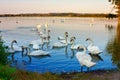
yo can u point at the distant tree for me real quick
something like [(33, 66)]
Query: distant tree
[(116, 3)]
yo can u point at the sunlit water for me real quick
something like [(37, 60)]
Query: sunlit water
[(63, 59)]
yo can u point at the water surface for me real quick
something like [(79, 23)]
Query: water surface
[(101, 31)]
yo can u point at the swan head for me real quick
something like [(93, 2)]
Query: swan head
[(48, 30), (14, 41), (88, 39), (72, 39), (82, 47), (66, 34)]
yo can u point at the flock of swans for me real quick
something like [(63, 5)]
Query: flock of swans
[(83, 58)]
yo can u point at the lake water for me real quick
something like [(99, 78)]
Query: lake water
[(100, 30)]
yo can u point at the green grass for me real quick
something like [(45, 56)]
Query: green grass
[(6, 72)]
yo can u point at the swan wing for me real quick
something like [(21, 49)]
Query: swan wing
[(87, 57), (36, 42), (39, 53), (10, 50), (89, 63), (94, 50), (61, 38), (84, 59), (33, 42), (82, 56), (58, 45), (17, 48), (36, 46), (79, 56), (64, 41)]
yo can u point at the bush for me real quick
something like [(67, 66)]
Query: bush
[(3, 53)]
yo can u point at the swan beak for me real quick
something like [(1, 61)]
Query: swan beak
[(74, 38), (87, 39), (67, 35), (48, 30)]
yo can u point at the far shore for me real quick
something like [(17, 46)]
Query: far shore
[(102, 15)]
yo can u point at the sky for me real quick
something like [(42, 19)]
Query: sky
[(54, 6)]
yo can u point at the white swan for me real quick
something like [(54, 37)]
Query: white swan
[(38, 27), (36, 46), (36, 43), (15, 47), (84, 59), (73, 45), (61, 37), (46, 34), (46, 37), (63, 40), (93, 49), (59, 44), (37, 53)]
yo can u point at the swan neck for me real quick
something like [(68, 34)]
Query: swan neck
[(12, 46), (66, 40), (84, 49), (72, 44), (91, 43)]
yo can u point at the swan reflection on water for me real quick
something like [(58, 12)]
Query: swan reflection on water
[(19, 63)]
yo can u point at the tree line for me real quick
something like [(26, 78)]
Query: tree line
[(58, 15)]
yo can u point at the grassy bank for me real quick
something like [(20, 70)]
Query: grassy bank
[(8, 73)]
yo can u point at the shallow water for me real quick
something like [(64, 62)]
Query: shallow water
[(101, 31)]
